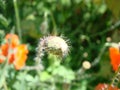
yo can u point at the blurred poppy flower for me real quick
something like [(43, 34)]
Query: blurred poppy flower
[(105, 87), (20, 56), (12, 39), (2, 58), (114, 53), (4, 49), (15, 53)]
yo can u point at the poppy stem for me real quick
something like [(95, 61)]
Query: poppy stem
[(37, 67), (3, 76), (17, 19), (111, 28), (116, 78), (54, 32), (98, 58), (5, 85)]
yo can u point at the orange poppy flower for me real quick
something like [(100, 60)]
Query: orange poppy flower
[(105, 87), (15, 52), (20, 56), (11, 58), (1, 61), (12, 39), (2, 53), (2, 58), (114, 57), (4, 49)]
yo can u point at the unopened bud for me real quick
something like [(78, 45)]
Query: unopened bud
[(86, 65)]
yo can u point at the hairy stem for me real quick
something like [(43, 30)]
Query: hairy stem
[(116, 78)]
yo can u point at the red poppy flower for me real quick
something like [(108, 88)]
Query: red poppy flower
[(114, 57), (105, 87)]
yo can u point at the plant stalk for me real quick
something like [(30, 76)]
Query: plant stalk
[(17, 19)]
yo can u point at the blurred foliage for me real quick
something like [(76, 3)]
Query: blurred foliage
[(114, 7), (86, 23)]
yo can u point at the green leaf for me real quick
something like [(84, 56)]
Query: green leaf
[(3, 21), (2, 4), (67, 74), (114, 6), (66, 2), (44, 76), (29, 78), (102, 9)]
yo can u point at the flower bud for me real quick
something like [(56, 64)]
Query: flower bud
[(54, 45)]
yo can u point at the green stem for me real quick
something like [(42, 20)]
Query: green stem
[(111, 28), (116, 78), (17, 19), (53, 86), (5, 85), (5, 69), (54, 32), (98, 58), (3, 76)]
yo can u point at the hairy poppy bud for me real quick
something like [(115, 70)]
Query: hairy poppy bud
[(54, 45)]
